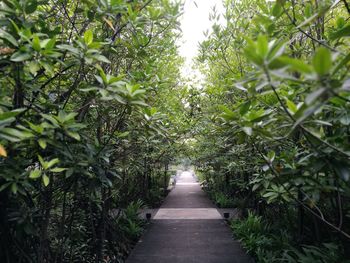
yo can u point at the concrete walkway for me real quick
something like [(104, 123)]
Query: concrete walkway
[(188, 229)]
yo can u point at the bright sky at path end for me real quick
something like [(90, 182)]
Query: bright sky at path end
[(194, 22)]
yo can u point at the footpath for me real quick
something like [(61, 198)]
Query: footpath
[(188, 229)]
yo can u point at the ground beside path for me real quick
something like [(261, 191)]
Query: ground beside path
[(188, 229)]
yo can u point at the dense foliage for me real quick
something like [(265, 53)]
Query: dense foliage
[(86, 92), (93, 112), (273, 135)]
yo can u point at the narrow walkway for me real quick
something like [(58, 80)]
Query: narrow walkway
[(188, 229)]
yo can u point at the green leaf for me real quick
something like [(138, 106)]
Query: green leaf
[(296, 64), (69, 48), (9, 38), (14, 188), (277, 9), (251, 53), (308, 10), (244, 108), (46, 180), (37, 128), (248, 130), (74, 135), (51, 119), (20, 56), (42, 162), (340, 22), (30, 6), (291, 106), (262, 46), (139, 103), (271, 156), (35, 174), (88, 37), (322, 61), (343, 32), (101, 58), (58, 170), (42, 143), (10, 114), (36, 43), (51, 43), (64, 117), (52, 163), (22, 135), (34, 67)]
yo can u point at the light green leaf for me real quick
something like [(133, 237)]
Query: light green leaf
[(51, 43), (22, 135), (262, 46), (46, 180), (41, 160), (74, 135), (296, 64), (291, 106), (35, 174), (88, 37), (58, 170), (251, 53), (34, 67), (42, 143), (36, 43), (322, 61), (52, 163)]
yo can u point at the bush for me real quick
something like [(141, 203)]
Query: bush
[(327, 253), (268, 245), (222, 200)]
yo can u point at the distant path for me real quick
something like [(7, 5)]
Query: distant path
[(188, 229)]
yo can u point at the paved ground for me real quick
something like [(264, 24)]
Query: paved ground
[(188, 229)]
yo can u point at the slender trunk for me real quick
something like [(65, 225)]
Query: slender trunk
[(18, 97), (44, 244), (59, 254), (301, 213), (165, 178)]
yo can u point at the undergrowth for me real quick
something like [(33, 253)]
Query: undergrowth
[(268, 244)]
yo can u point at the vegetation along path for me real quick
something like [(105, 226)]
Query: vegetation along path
[(188, 228), (102, 101)]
